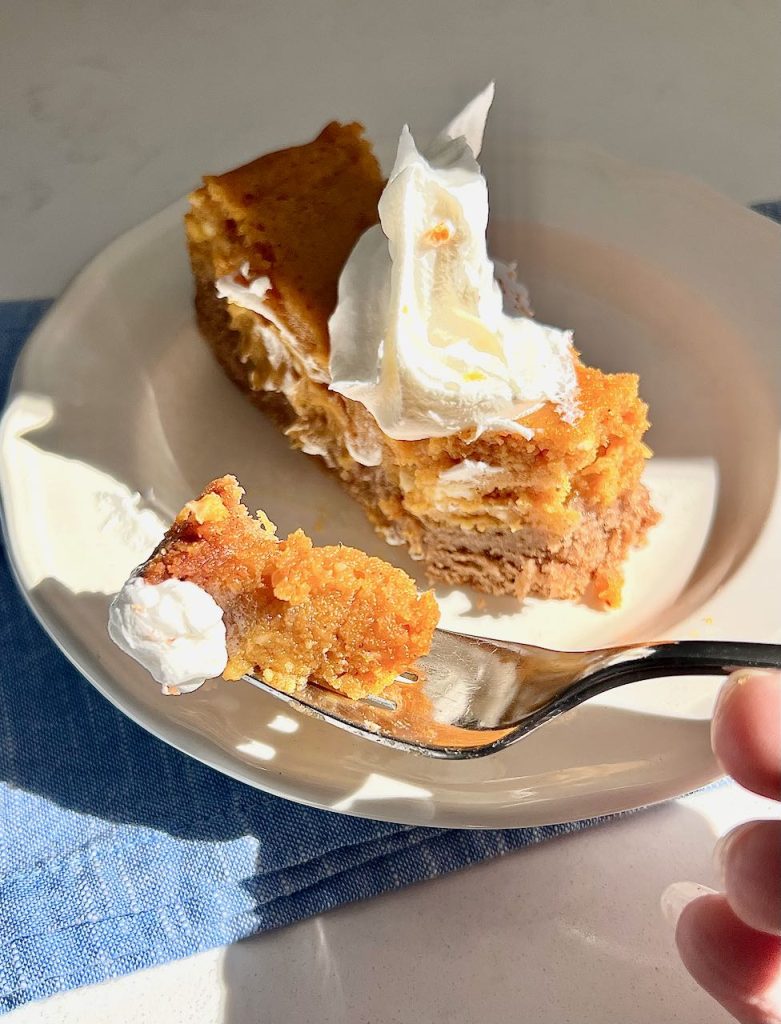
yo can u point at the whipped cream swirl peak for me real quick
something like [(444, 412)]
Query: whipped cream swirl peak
[(419, 335)]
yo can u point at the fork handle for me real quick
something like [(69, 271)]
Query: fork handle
[(682, 658)]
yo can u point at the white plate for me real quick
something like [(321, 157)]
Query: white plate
[(118, 415)]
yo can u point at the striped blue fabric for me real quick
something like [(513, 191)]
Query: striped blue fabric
[(118, 852)]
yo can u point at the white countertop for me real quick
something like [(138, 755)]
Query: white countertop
[(110, 110)]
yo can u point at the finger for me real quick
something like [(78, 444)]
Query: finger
[(750, 861), (746, 731), (738, 965)]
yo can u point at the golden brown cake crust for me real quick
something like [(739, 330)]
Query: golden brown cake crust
[(298, 213), (294, 612)]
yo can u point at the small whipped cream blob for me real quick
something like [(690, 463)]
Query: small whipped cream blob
[(249, 295), (243, 290), (420, 335), (174, 629)]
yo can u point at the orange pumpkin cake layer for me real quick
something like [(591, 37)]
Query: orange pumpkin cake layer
[(553, 515), (293, 612)]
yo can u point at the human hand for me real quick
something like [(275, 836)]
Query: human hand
[(731, 942)]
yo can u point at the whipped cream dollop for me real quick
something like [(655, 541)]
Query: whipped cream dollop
[(174, 629), (420, 335)]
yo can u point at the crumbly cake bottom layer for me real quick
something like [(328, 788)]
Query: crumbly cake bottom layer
[(521, 563)]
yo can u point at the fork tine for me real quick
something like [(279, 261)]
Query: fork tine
[(379, 702), (407, 677)]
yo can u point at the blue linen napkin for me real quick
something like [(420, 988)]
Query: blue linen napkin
[(118, 852)]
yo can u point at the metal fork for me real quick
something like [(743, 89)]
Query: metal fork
[(471, 696)]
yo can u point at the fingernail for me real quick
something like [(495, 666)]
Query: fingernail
[(738, 679), (723, 843), (731, 683), (676, 896), (735, 682)]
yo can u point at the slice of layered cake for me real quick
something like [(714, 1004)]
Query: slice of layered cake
[(222, 595), (367, 318)]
